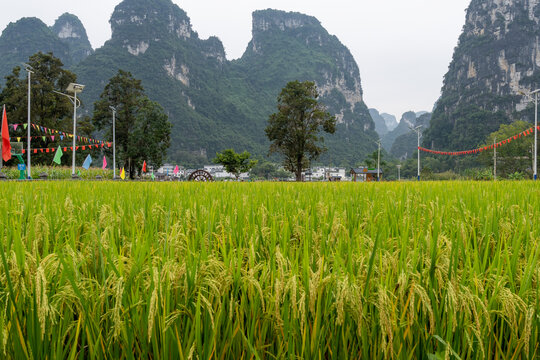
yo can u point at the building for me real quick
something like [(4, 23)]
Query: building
[(168, 170), (219, 172), (363, 174), (324, 174)]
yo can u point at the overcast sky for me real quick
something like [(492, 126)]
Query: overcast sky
[(403, 47)]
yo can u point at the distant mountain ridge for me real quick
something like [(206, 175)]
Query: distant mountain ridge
[(67, 39), (214, 103)]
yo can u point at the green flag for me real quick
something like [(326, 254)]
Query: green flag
[(78, 172), (58, 156), (153, 177)]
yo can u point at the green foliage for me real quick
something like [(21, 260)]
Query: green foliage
[(78, 46), (142, 127), (48, 109), (26, 37), (216, 103), (59, 172), (235, 163), (373, 158), (269, 270), (294, 129), (515, 157), (516, 176)]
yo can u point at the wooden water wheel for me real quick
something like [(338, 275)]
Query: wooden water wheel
[(200, 175)]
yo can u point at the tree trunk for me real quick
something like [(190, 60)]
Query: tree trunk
[(299, 169)]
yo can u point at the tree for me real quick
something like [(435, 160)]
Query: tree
[(264, 170), (371, 160), (515, 157), (294, 129), (142, 127), (48, 109), (235, 163)]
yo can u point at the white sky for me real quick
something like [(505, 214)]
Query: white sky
[(403, 47)]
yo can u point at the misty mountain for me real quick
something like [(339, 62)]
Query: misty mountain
[(380, 123), (212, 103), (496, 60)]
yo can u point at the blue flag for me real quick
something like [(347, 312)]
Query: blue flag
[(87, 162)]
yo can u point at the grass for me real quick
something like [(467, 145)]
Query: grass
[(270, 270), (59, 172)]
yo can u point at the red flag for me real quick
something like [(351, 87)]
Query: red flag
[(6, 145), (144, 166)]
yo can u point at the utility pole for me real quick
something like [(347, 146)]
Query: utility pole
[(495, 159), (535, 133), (418, 132), (30, 71), (379, 161), (399, 172), (529, 95), (114, 140)]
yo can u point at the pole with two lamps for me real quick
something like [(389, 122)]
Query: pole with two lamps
[(30, 71), (75, 89)]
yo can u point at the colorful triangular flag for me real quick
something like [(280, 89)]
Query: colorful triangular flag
[(6, 145), (104, 162), (57, 157), (123, 174), (87, 162)]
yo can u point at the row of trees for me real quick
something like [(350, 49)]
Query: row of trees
[(142, 127)]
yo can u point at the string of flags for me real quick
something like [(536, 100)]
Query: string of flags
[(50, 134), (68, 148), (483, 148), (96, 144)]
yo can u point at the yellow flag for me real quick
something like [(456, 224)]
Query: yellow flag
[(122, 174)]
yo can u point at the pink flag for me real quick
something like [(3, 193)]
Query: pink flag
[(104, 162), (176, 170)]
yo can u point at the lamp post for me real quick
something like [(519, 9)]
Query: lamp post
[(75, 89), (114, 140), (529, 95), (495, 159), (417, 130), (30, 71), (378, 161)]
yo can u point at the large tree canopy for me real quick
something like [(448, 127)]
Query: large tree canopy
[(142, 127), (294, 129), (48, 109), (235, 163)]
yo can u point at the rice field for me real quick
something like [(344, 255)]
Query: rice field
[(102, 270)]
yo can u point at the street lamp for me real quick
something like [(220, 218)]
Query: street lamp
[(114, 140), (30, 71), (378, 160), (75, 89), (417, 130), (529, 95)]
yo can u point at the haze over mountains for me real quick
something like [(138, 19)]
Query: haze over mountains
[(212, 103)]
